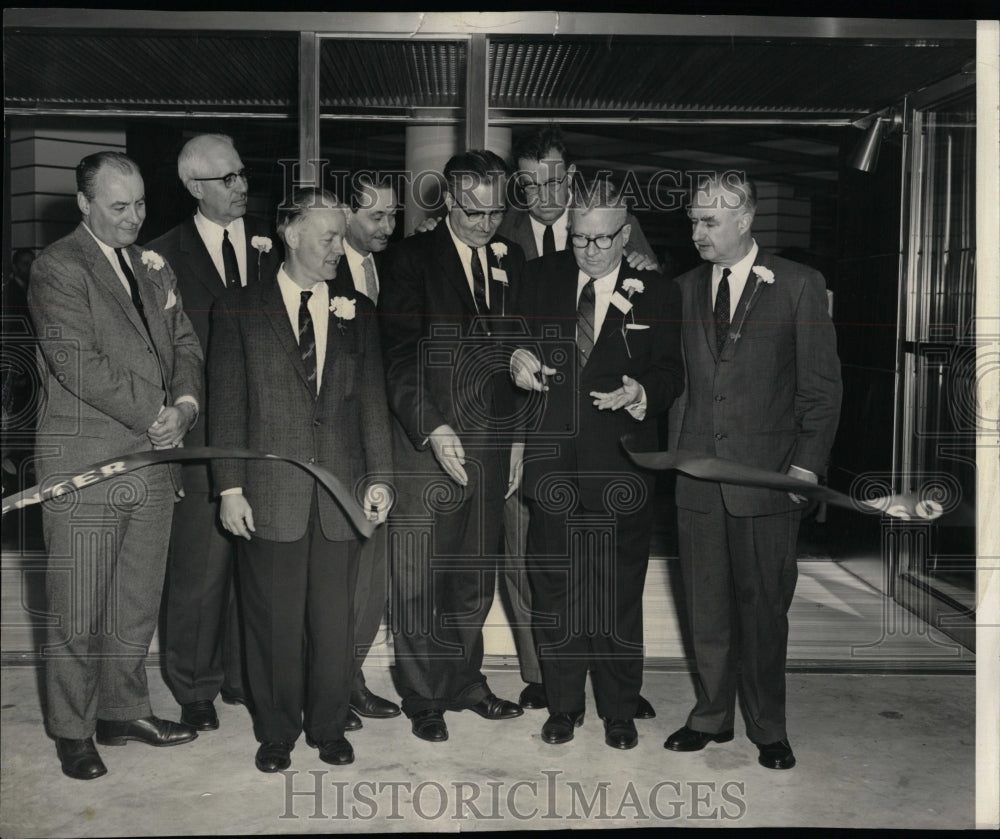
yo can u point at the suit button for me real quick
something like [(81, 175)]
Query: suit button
[(720, 436), (719, 398), (312, 460), (317, 422)]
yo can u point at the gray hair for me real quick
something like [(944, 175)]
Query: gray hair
[(194, 149)]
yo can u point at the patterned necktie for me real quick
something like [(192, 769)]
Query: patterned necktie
[(548, 240), (371, 284), (722, 311), (479, 284), (229, 262), (307, 338), (585, 314), (133, 289)]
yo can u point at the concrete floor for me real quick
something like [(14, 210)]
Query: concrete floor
[(889, 751)]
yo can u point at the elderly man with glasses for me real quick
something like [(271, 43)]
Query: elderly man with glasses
[(215, 249)]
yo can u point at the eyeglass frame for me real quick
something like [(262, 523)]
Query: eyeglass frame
[(229, 178), (476, 216), (533, 187), (609, 236)]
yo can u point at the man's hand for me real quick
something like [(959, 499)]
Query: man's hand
[(629, 392), (378, 501), (427, 225), (236, 515), (528, 372), (641, 261), (170, 426), (803, 475), (450, 453), (516, 468)]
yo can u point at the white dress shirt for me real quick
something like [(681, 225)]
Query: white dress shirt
[(319, 308), (355, 261), (211, 235), (738, 274), (559, 232), (465, 254)]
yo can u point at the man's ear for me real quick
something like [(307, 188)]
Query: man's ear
[(83, 204), (291, 237), (746, 220), (626, 232), (449, 200), (195, 188)]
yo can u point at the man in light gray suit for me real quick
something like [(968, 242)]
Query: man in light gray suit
[(122, 374), (763, 388)]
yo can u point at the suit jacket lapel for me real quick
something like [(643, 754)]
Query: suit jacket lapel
[(526, 236), (451, 266), (703, 308), (251, 228), (106, 276), (273, 305), (203, 267)]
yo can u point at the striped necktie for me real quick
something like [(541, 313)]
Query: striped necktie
[(307, 338), (585, 315)]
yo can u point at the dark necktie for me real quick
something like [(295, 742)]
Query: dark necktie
[(307, 338), (133, 289), (371, 284), (229, 261), (548, 240), (479, 284), (585, 314), (722, 311)]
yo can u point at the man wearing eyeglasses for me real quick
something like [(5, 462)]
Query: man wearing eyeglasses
[(210, 251), (443, 307), (590, 511)]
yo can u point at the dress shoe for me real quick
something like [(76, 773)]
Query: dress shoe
[(353, 721), (149, 730), (559, 726), (533, 697), (79, 759), (273, 756), (429, 725), (643, 710), (200, 715), (777, 755), (492, 707), (338, 752), (688, 740), (620, 734), (368, 704)]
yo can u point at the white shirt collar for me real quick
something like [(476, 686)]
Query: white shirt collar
[(741, 270)]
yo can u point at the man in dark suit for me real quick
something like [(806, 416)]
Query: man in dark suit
[(590, 511), (216, 248), (122, 374), (444, 304), (370, 223), (295, 369), (763, 389)]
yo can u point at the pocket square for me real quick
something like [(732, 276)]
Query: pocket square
[(637, 326), (171, 299)]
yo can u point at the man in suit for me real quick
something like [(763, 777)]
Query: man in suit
[(218, 247), (122, 374), (295, 369), (590, 511), (763, 389), (444, 304), (370, 223)]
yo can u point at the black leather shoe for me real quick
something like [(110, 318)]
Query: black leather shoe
[(559, 726), (429, 725), (338, 752), (79, 759), (368, 704), (533, 697), (776, 755), (688, 740), (620, 734), (200, 715), (492, 707), (353, 721), (643, 710), (149, 730), (273, 756)]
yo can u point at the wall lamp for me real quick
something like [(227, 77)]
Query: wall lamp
[(877, 125)]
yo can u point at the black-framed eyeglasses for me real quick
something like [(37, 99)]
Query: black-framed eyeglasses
[(604, 241), (478, 215), (230, 179), (532, 188)]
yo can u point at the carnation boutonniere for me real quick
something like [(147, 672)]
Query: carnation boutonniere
[(764, 276), (631, 287), (152, 260), (343, 310), (499, 250), (263, 246)]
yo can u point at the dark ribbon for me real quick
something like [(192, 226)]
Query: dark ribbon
[(901, 506), (107, 469)]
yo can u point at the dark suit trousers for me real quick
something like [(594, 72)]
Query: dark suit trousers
[(107, 550), (369, 598), (739, 577), (516, 589), (202, 643), (443, 579), (299, 620), (587, 575)]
